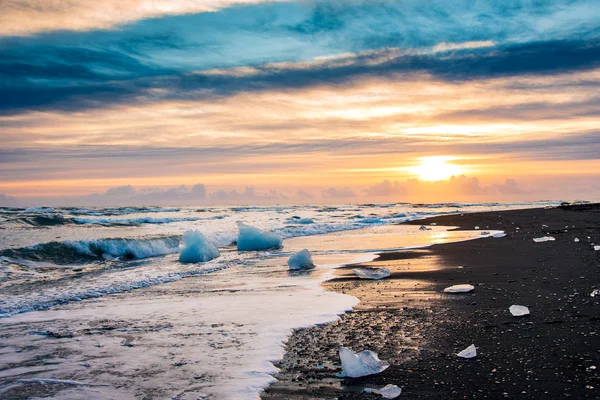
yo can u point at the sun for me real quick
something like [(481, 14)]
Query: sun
[(435, 168)]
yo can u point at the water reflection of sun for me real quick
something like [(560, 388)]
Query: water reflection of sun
[(435, 168)]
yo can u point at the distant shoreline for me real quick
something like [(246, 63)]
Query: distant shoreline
[(551, 354)]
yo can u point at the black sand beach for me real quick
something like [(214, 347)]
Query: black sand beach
[(554, 353)]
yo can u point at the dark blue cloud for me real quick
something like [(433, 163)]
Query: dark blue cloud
[(75, 70)]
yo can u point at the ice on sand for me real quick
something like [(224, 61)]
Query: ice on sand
[(371, 273), (424, 228), (544, 239), (518, 311), (360, 364), (465, 288), (251, 238), (388, 391), (196, 248), (301, 260), (469, 352)]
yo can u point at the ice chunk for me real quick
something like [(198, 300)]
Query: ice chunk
[(196, 248), (476, 228), (469, 352), (595, 292), (499, 235), (424, 228), (433, 224), (371, 273), (361, 364), (388, 391), (465, 288), (518, 311), (301, 260), (484, 233), (251, 238), (597, 248), (576, 240), (544, 239)]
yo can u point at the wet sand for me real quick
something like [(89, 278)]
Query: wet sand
[(554, 353)]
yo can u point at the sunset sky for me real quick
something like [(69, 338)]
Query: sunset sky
[(298, 101)]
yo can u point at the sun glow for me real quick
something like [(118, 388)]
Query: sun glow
[(436, 168)]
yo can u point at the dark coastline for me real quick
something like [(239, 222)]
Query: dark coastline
[(552, 354)]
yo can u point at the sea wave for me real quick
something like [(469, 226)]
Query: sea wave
[(81, 251)]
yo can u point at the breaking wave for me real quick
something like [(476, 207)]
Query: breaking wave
[(80, 251)]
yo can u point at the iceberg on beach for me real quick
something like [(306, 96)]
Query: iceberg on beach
[(469, 352), (196, 248), (371, 273), (360, 364), (518, 311), (387, 392), (459, 288), (251, 238), (301, 260), (544, 239)]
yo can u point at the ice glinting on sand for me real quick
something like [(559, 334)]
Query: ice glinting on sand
[(371, 273), (469, 352), (360, 364), (464, 288), (387, 392), (544, 239), (301, 260), (196, 248), (518, 311), (251, 238)]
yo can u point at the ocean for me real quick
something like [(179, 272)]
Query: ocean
[(94, 302)]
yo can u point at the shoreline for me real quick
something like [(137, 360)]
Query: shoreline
[(553, 353)]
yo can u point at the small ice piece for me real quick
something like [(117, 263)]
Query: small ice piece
[(465, 288), (469, 352), (196, 248), (518, 311), (251, 238), (388, 391), (476, 228), (371, 273), (597, 248), (484, 233), (595, 293), (433, 224), (424, 228), (499, 235), (301, 260), (576, 240), (360, 364), (544, 239)]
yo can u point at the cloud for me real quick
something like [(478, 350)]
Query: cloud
[(460, 187), (338, 193), (29, 17), (304, 195), (386, 188), (7, 201), (248, 196), (128, 195)]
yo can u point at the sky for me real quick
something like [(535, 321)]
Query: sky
[(258, 102)]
